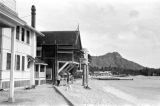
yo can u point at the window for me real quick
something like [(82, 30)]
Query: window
[(38, 53), (37, 68), (28, 37), (18, 62), (15, 62), (8, 66), (23, 63), (17, 32), (23, 34), (42, 68)]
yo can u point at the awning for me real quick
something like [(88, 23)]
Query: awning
[(39, 61), (30, 58), (36, 60)]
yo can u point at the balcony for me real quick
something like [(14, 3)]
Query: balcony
[(11, 4)]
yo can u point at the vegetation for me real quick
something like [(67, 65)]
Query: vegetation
[(120, 66), (115, 70)]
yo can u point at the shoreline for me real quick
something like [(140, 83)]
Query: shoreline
[(112, 92)]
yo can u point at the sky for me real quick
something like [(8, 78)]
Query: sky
[(130, 27)]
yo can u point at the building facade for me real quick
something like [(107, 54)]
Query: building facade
[(61, 50), (17, 47)]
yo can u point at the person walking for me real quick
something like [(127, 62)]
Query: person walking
[(68, 81), (58, 80)]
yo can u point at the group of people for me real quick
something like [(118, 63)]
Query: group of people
[(69, 79)]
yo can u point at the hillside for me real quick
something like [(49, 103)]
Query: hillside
[(114, 59)]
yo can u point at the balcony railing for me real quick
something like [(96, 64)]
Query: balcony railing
[(11, 4), (40, 75)]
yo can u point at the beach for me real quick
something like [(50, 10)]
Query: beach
[(141, 91)]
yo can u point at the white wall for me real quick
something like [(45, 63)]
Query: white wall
[(22, 49), (18, 75)]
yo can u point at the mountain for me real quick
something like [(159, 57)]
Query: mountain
[(114, 59)]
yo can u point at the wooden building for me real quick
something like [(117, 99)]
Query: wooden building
[(61, 50)]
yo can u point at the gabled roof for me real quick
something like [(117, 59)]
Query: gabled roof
[(60, 38)]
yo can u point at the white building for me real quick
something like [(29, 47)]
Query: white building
[(17, 48)]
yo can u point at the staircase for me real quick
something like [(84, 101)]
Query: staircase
[(66, 67), (63, 67)]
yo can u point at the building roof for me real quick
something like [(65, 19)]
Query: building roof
[(60, 38), (7, 14)]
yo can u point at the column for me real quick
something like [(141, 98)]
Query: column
[(11, 89), (1, 56), (33, 52), (87, 70), (87, 73), (39, 68), (45, 72), (80, 65), (84, 75)]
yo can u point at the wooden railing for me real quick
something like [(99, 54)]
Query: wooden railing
[(11, 4), (36, 75), (41, 74)]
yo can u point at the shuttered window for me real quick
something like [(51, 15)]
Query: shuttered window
[(17, 32), (18, 62), (23, 34), (8, 66), (28, 37), (23, 63)]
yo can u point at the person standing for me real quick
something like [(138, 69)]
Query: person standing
[(68, 81), (58, 80)]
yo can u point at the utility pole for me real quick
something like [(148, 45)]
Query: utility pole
[(85, 71), (84, 75)]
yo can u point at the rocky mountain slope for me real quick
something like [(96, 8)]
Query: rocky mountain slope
[(114, 59)]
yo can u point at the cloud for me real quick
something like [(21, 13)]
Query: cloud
[(134, 14), (129, 27)]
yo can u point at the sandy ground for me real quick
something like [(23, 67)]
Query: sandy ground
[(44, 95), (142, 91)]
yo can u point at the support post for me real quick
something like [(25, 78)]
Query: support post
[(11, 89), (32, 71), (45, 72), (80, 68), (39, 68), (55, 64), (53, 72), (86, 71), (84, 75)]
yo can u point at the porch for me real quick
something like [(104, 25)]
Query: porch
[(40, 72)]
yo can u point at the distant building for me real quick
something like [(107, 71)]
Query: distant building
[(17, 47), (102, 73), (61, 50)]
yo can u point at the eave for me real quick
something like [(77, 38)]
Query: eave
[(6, 14)]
